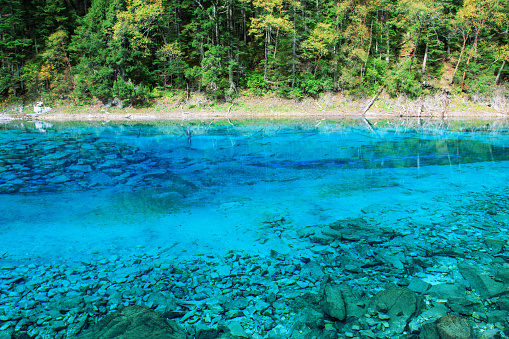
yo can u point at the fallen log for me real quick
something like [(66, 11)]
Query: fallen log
[(372, 101)]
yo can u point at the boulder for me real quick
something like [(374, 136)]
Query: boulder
[(333, 302), (342, 302), (446, 291), (134, 322), (418, 286), (39, 108), (309, 317), (481, 279), (453, 327), (399, 304), (429, 331), (463, 305)]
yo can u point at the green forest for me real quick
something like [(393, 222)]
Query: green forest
[(136, 50)]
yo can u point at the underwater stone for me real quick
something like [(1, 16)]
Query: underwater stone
[(445, 291), (502, 274), (8, 188), (310, 317), (454, 327), (113, 172), (55, 156), (312, 271), (463, 305), (367, 334), (134, 322), (6, 333), (333, 302), (495, 246), (481, 281), (236, 329), (503, 303), (497, 316), (59, 179), (98, 178), (136, 158), (80, 168), (321, 239), (401, 304), (418, 285)]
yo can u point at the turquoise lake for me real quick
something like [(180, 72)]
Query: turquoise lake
[(371, 207)]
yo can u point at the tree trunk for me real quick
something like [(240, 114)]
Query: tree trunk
[(216, 23), (317, 62), (372, 101), (425, 59), (499, 72), (387, 56), (275, 43), (244, 28), (267, 33), (177, 22), (416, 44), (465, 37), (367, 54), (474, 48), (503, 63), (294, 47), (360, 75)]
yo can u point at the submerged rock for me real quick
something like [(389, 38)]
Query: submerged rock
[(454, 327), (134, 322), (333, 302), (482, 280), (397, 306)]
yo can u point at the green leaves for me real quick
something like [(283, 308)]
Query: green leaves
[(134, 25), (320, 40), (126, 48)]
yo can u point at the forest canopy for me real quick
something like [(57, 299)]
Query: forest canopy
[(134, 49)]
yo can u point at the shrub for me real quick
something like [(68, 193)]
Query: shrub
[(256, 84), (401, 80)]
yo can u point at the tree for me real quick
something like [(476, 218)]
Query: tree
[(474, 17), (318, 43), (101, 58), (271, 22), (14, 46), (135, 25), (56, 68), (170, 63)]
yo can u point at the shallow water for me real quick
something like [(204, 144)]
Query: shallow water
[(82, 194), (77, 191)]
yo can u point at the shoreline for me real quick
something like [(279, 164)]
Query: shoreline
[(327, 107)]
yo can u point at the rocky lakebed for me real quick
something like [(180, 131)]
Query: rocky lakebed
[(397, 266)]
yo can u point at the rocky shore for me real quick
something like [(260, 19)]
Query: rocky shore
[(329, 105)]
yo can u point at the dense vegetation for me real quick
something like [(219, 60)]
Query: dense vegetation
[(136, 49)]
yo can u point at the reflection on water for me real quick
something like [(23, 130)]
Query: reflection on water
[(263, 230)]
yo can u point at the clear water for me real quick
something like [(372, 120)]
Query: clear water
[(74, 194)]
